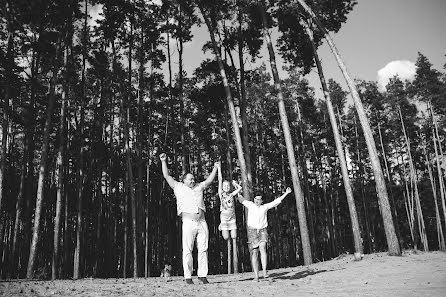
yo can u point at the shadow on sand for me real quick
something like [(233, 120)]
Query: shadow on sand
[(288, 275), (294, 276)]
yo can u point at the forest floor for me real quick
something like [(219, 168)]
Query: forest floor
[(413, 274)]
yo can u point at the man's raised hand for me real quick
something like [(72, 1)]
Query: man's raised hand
[(288, 190), (163, 157)]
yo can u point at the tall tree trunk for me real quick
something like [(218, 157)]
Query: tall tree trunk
[(340, 150), (235, 127), (125, 191), (392, 240), (185, 159), (389, 179), (440, 175), (414, 184), (60, 167), (306, 247), (147, 258), (19, 203), (30, 192), (66, 237), (19, 207), (302, 167), (8, 77), (125, 115), (139, 150), (439, 170), (361, 170), (43, 161), (244, 103), (440, 235), (80, 175)]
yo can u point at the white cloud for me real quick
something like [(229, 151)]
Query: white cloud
[(403, 68)]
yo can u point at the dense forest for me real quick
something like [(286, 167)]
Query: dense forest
[(87, 107)]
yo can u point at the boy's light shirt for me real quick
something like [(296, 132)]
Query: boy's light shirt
[(257, 218)]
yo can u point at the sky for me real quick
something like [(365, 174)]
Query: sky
[(381, 38)]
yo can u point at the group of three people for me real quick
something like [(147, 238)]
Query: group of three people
[(190, 206)]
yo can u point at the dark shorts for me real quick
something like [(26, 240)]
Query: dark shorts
[(256, 236)]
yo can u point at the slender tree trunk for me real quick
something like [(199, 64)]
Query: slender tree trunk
[(60, 168), (361, 170), (392, 240), (131, 191), (306, 247), (139, 150), (80, 189), (439, 170), (125, 223), (235, 127), (8, 73), (243, 105), (19, 207), (147, 258), (80, 178), (66, 240), (185, 160), (343, 163), (384, 155), (43, 161), (389, 178), (440, 235), (440, 175), (29, 192), (414, 183)]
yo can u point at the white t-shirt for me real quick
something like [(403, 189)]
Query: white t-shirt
[(257, 218), (189, 200)]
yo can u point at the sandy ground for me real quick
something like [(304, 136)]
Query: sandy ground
[(413, 274)]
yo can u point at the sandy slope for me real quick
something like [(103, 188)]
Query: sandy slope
[(420, 274)]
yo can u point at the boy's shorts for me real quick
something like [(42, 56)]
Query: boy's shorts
[(256, 236)]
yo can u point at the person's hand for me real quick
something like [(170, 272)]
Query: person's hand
[(235, 184), (163, 157), (288, 190), (217, 164)]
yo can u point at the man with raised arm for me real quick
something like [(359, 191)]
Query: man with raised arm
[(190, 206), (257, 229)]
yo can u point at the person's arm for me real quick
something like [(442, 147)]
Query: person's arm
[(166, 174), (220, 182), (240, 198), (237, 187), (278, 200), (245, 202), (211, 176)]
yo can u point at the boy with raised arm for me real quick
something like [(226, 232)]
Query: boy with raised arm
[(257, 229)]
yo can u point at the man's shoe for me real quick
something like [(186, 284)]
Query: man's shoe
[(204, 280), (189, 281)]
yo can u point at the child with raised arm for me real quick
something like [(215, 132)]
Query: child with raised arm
[(228, 224), (257, 229)]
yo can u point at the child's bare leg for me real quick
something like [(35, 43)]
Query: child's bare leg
[(225, 234), (255, 264), (263, 258), (234, 234), (234, 250)]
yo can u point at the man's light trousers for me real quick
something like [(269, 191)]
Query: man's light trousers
[(195, 229)]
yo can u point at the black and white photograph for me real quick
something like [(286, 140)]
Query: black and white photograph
[(222, 148)]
